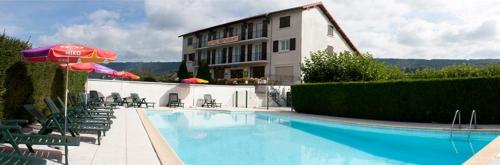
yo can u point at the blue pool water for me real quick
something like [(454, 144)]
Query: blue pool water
[(223, 138)]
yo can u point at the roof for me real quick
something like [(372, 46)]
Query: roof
[(303, 7)]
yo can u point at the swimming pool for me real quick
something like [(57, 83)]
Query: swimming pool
[(218, 138)]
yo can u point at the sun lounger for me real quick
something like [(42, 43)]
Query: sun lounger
[(51, 123), (209, 102), (119, 100), (14, 139), (138, 102), (174, 101), (14, 159)]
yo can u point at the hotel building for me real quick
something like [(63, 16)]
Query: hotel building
[(269, 46)]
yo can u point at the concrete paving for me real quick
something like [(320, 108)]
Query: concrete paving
[(125, 143)]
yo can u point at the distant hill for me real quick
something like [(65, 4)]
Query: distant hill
[(160, 68), (154, 67), (414, 64)]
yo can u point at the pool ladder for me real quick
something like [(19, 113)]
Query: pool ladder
[(473, 118)]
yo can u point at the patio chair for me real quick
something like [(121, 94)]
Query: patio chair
[(51, 123), (14, 159), (174, 101), (137, 101), (73, 116), (118, 99), (209, 102), (96, 100), (14, 139)]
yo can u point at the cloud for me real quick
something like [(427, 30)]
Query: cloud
[(385, 28)]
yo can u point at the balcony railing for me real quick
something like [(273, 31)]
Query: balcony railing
[(235, 38)]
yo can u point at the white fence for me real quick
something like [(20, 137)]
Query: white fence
[(190, 94)]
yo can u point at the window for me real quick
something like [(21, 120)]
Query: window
[(284, 21), (218, 56), (329, 49), (284, 45), (190, 41), (330, 30), (236, 54), (258, 30), (257, 49)]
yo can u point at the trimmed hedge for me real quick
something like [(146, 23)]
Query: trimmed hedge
[(434, 100)]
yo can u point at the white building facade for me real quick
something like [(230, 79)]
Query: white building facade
[(269, 46)]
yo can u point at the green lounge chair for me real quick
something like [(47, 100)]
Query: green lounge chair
[(13, 159), (14, 139), (72, 117), (174, 101), (118, 99), (137, 101), (209, 102), (96, 100), (51, 123)]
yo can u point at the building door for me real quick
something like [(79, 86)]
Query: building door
[(237, 73), (258, 72), (283, 74)]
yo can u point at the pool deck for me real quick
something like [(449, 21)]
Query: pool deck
[(125, 143), (131, 139)]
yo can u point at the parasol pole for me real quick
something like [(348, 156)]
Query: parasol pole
[(66, 99)]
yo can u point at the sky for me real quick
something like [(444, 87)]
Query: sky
[(148, 30)]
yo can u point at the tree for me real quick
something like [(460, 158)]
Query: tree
[(346, 66), (204, 71), (182, 72)]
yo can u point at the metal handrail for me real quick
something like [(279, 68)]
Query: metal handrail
[(472, 117), (453, 123)]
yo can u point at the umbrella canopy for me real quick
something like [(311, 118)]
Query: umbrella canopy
[(124, 74), (194, 80), (88, 67), (67, 53)]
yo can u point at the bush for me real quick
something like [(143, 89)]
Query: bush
[(346, 66), (405, 100)]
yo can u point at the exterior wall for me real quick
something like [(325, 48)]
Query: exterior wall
[(190, 94), (314, 34), (290, 58)]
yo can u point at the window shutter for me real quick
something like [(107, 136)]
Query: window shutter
[(224, 55), (264, 50), (243, 30), (250, 31), (213, 56), (264, 28), (230, 55), (275, 46), (249, 54), (208, 58), (242, 53), (292, 44), (199, 59)]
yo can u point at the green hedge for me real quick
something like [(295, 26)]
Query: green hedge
[(28, 83), (405, 100)]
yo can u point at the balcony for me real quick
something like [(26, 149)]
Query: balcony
[(257, 35)]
